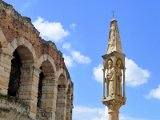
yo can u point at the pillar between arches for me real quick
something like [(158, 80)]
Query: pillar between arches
[(29, 86), (5, 67)]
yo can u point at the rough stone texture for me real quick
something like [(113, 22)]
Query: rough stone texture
[(36, 56), (114, 74), (13, 109), (114, 42)]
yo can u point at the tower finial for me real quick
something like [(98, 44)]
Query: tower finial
[(113, 14)]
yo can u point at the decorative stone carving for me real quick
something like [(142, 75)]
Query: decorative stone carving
[(110, 78), (118, 78), (114, 104), (114, 78)]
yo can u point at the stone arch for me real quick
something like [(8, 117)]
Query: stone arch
[(63, 72), (46, 92), (27, 74), (61, 98), (45, 57), (23, 59), (21, 42), (21, 67)]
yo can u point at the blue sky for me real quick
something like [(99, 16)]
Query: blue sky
[(80, 30)]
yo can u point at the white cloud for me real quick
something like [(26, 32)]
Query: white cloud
[(98, 74), (78, 57), (94, 113), (68, 61), (50, 30), (89, 113), (74, 56), (66, 46), (154, 93), (135, 75)]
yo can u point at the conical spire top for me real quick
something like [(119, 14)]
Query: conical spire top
[(114, 42)]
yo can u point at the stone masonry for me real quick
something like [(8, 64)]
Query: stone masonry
[(34, 81)]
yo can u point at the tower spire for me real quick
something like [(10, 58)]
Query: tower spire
[(114, 42)]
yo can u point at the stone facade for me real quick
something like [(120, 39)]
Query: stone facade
[(114, 74), (32, 71)]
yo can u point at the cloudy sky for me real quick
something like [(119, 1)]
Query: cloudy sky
[(80, 30)]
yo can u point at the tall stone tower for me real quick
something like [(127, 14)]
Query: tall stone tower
[(114, 74)]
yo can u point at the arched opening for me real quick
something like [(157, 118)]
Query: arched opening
[(61, 98), (20, 72), (41, 77), (15, 74), (45, 91)]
